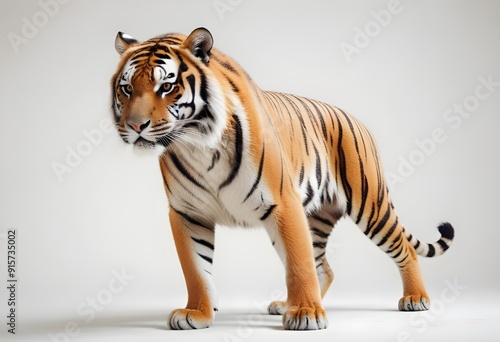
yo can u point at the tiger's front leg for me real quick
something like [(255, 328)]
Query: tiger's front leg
[(194, 242), (303, 309)]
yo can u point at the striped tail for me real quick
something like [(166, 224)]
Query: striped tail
[(433, 249)]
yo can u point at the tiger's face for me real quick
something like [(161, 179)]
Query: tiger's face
[(161, 90)]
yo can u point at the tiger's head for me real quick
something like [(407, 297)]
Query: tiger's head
[(164, 92)]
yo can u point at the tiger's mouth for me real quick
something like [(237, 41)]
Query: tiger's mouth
[(144, 143)]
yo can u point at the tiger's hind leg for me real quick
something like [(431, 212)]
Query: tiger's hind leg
[(291, 238), (387, 232), (321, 224)]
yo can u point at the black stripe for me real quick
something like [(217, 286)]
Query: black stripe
[(323, 220), (301, 175), (203, 87), (320, 256), (190, 219), (396, 244), (238, 152), (172, 41), (282, 170), (233, 85), (203, 243), (162, 55), (215, 158), (431, 251), (229, 67), (301, 120), (203, 84), (191, 79), (444, 246), (343, 167), (310, 194), (204, 113), (204, 257), (389, 233), (369, 223), (184, 172), (317, 244), (182, 184), (399, 253), (225, 65), (319, 175), (283, 108), (363, 181), (320, 233), (140, 54), (364, 192), (326, 186), (312, 118), (167, 187), (259, 174), (320, 117), (417, 245), (268, 212), (402, 260), (381, 223)]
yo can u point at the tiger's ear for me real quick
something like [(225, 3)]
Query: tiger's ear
[(200, 42), (123, 41)]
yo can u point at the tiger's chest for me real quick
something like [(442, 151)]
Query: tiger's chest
[(216, 186)]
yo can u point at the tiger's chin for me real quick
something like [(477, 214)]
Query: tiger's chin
[(142, 143), (147, 148)]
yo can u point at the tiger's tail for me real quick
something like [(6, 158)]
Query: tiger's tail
[(433, 249)]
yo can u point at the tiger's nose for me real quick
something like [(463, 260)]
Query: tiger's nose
[(138, 126)]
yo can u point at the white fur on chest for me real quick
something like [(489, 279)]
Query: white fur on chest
[(197, 189)]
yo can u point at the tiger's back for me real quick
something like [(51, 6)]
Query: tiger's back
[(323, 148), (236, 155)]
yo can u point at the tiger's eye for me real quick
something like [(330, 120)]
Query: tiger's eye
[(127, 89), (166, 87)]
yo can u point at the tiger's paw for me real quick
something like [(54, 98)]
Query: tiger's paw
[(188, 319), (414, 303), (305, 318), (277, 308)]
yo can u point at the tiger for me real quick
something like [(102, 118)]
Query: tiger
[(232, 154)]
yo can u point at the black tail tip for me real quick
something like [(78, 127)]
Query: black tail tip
[(446, 230)]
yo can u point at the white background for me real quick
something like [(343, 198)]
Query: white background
[(110, 213)]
